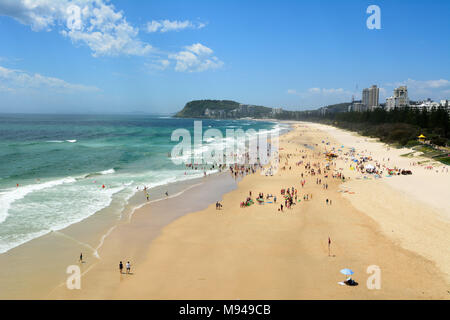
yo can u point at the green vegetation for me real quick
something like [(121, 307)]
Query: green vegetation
[(400, 125), (444, 160), (412, 143), (196, 109), (408, 155), (222, 109)]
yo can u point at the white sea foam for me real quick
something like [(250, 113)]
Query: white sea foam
[(59, 211), (109, 171), (4, 247), (8, 197)]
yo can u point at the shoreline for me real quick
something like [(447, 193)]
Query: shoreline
[(41, 263)]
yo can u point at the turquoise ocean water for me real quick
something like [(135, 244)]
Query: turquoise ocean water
[(61, 162)]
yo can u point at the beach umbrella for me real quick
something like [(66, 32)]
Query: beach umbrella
[(347, 272)]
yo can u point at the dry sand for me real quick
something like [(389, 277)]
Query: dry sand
[(258, 252)]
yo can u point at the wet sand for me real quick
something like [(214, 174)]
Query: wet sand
[(37, 269), (130, 241)]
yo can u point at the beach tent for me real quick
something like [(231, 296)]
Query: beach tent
[(369, 168)]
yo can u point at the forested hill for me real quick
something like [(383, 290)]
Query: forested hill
[(222, 109), (196, 108)]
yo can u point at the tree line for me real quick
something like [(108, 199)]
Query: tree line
[(399, 125)]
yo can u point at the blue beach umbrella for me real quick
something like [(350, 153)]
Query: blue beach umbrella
[(347, 272)]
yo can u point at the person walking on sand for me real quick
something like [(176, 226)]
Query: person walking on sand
[(329, 246), (128, 267), (120, 267), (327, 201), (81, 257)]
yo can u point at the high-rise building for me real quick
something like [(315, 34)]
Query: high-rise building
[(365, 97), (401, 93), (399, 99), (390, 103), (374, 94), (370, 97)]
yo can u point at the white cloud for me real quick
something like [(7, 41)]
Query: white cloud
[(330, 91), (314, 90), (95, 23), (333, 91), (427, 84), (153, 26), (12, 79), (199, 49), (105, 30), (195, 58), (161, 64), (421, 89), (167, 25)]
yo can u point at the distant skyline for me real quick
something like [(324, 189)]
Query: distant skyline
[(123, 56)]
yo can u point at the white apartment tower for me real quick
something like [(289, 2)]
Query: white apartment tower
[(401, 93), (374, 94), (399, 99)]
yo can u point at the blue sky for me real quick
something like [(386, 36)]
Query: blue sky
[(154, 56)]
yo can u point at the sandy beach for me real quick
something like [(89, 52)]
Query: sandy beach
[(399, 224)]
